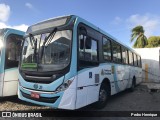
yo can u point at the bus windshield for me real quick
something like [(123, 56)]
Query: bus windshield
[(40, 54)]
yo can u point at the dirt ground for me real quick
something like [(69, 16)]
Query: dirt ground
[(142, 99)]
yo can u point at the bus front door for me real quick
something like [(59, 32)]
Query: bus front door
[(12, 55)]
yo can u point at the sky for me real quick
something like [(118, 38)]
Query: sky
[(116, 17)]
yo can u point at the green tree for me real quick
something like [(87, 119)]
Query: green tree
[(139, 37), (153, 41)]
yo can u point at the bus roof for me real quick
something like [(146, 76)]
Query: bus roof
[(103, 32), (89, 24), (10, 30)]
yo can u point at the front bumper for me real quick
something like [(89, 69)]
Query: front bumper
[(47, 99)]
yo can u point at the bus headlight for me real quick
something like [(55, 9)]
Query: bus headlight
[(64, 86)]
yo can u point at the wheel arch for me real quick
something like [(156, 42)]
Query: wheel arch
[(134, 79), (107, 82)]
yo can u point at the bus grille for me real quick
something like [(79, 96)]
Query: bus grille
[(40, 78)]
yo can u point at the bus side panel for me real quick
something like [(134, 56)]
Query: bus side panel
[(1, 83), (10, 82), (92, 94), (119, 78), (131, 75), (89, 82), (87, 88), (81, 97), (125, 75)]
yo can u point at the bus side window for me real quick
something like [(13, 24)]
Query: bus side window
[(124, 55), (131, 60), (13, 51), (139, 61), (135, 60), (106, 49), (116, 50), (81, 46), (88, 51), (124, 58)]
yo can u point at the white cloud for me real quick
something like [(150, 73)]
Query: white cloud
[(4, 12), (33, 8), (29, 5), (4, 16), (117, 20), (151, 23), (2, 25), (21, 27)]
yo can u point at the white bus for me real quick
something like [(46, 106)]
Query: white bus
[(10, 46), (69, 63)]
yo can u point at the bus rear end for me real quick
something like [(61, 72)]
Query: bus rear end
[(48, 64)]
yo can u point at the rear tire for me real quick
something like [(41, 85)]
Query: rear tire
[(104, 94)]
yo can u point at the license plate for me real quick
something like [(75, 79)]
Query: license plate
[(35, 95)]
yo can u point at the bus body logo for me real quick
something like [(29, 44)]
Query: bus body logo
[(35, 86)]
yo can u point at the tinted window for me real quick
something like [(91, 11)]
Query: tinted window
[(131, 58), (135, 59), (13, 50), (124, 55), (106, 49), (139, 61), (88, 50), (81, 46), (116, 50), (92, 52)]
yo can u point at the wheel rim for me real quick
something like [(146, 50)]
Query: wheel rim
[(102, 95)]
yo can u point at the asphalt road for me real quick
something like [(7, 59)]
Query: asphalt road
[(142, 99)]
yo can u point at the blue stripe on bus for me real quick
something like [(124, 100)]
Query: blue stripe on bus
[(73, 67)]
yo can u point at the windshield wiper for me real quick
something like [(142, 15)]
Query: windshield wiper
[(33, 40), (50, 37), (47, 40)]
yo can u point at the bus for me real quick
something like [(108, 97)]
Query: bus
[(10, 46), (68, 63)]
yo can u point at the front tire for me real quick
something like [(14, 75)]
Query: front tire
[(104, 94)]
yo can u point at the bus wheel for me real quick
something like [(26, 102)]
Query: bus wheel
[(133, 85), (103, 96)]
